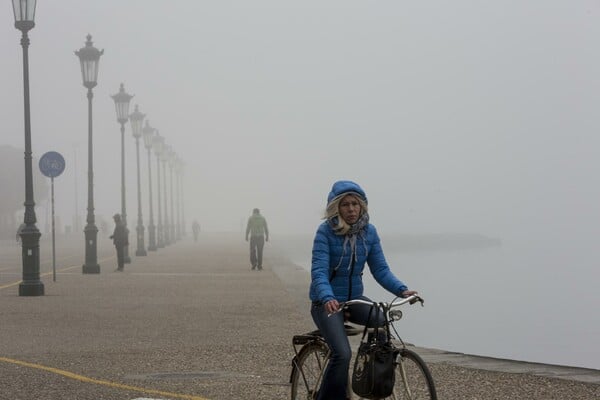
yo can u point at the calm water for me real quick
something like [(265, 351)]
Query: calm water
[(524, 301)]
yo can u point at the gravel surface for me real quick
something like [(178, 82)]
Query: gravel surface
[(455, 382)]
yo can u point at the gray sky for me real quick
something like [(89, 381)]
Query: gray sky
[(462, 116)]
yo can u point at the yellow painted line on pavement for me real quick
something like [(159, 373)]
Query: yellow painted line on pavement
[(50, 273), (85, 379), (9, 285), (42, 262)]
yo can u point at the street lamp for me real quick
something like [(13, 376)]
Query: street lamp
[(148, 133), (89, 57), (166, 227), (136, 127), (158, 143), (30, 235), (122, 100), (171, 161), (181, 174), (178, 197)]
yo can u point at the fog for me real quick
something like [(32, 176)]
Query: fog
[(463, 116)]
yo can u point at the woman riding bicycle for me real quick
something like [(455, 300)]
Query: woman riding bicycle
[(342, 245)]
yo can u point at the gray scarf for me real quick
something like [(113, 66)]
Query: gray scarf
[(356, 230)]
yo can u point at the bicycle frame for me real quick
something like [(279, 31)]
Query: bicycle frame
[(311, 342)]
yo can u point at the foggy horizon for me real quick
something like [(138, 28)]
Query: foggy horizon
[(462, 117)]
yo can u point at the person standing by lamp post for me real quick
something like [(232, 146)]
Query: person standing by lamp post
[(120, 240)]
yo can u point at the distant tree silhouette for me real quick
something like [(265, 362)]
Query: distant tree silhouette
[(12, 182)]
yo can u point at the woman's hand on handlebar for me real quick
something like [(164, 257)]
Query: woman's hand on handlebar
[(332, 306), (408, 293)]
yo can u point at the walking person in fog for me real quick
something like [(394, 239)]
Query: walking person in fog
[(259, 233), (195, 230), (119, 238)]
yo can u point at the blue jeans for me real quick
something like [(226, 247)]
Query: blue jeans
[(335, 379)]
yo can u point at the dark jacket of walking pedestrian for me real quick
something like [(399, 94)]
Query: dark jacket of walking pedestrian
[(259, 233), (120, 240), (195, 230)]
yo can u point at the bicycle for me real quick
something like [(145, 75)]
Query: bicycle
[(413, 378)]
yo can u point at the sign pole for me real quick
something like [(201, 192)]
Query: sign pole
[(52, 164), (53, 234)]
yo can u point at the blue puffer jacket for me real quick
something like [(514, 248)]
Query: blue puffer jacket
[(328, 249)]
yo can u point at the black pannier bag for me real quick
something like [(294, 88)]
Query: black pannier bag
[(373, 376)]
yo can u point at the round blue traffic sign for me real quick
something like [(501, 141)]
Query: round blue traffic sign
[(52, 164)]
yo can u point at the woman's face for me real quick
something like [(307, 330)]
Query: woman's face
[(350, 209)]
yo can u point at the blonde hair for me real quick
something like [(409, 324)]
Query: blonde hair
[(333, 210)]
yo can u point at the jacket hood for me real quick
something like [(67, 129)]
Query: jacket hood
[(341, 187)]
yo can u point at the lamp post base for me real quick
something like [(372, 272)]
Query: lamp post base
[(90, 231), (31, 289), (31, 285), (91, 269), (151, 237), (140, 251), (160, 238)]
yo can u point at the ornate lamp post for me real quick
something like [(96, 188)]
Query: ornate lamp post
[(158, 143), (178, 197), (30, 235), (136, 127), (166, 226), (148, 133), (171, 161), (89, 57), (122, 100), (181, 174)]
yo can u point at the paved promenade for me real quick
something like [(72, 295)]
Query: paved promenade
[(192, 321)]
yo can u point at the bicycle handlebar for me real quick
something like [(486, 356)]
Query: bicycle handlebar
[(386, 306)]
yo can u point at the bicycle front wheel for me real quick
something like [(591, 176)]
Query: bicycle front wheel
[(413, 379), (307, 372)]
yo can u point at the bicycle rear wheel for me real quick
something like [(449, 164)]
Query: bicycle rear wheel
[(413, 379), (307, 372)]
